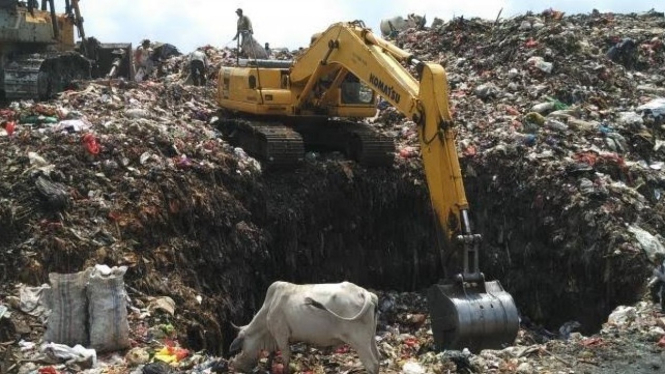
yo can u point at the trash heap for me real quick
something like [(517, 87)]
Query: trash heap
[(561, 140), (137, 175), (176, 69)]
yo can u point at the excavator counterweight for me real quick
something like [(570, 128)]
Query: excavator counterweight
[(341, 75)]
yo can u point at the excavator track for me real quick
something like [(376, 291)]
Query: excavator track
[(359, 141), (272, 143), (281, 145), (39, 76), (369, 147)]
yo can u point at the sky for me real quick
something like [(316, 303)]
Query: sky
[(188, 24)]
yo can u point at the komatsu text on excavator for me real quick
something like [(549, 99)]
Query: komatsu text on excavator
[(277, 109)]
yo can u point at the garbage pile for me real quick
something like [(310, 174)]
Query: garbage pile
[(404, 340), (176, 69), (136, 175), (561, 139)]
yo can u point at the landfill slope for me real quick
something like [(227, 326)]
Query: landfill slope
[(561, 149), (561, 140), (139, 176)]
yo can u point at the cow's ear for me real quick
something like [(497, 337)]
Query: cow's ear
[(236, 344)]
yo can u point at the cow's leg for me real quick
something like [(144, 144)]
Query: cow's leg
[(375, 351), (285, 348), (280, 331), (368, 353), (271, 357)]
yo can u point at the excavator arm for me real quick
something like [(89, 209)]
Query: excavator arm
[(351, 48), (466, 311)]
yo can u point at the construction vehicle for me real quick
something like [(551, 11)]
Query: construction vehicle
[(340, 75), (39, 55)]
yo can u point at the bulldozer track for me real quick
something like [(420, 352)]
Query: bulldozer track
[(41, 75)]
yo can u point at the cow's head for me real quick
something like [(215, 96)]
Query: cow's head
[(248, 345), (245, 359)]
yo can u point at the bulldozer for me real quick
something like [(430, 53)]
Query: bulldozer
[(39, 55), (276, 110)]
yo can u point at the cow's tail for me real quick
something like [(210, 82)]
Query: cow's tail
[(363, 310)]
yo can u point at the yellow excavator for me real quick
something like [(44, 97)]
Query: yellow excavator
[(39, 55), (276, 109)]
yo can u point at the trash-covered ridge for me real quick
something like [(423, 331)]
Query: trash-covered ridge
[(561, 148)]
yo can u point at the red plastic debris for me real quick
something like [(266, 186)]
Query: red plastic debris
[(343, 349), (411, 342), (47, 370), (661, 342), (470, 151), (592, 342), (10, 127), (91, 144), (512, 111), (277, 368), (408, 152), (531, 43)]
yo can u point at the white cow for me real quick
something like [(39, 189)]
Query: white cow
[(392, 26), (322, 315)]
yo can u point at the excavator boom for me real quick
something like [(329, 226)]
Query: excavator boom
[(466, 311)]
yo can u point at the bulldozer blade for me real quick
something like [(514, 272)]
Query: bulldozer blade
[(477, 317)]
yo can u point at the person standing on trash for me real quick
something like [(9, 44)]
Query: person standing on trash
[(658, 284), (142, 61), (244, 28), (268, 50), (198, 66)]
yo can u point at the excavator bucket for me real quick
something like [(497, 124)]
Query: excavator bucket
[(480, 315)]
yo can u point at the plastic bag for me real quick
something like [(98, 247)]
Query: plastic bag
[(109, 328), (67, 321)]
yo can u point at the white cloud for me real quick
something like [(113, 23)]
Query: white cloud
[(192, 23), (290, 23)]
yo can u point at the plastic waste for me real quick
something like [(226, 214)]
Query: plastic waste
[(156, 368), (10, 127), (650, 244), (413, 367), (540, 64), (90, 143), (137, 356), (555, 125), (622, 315), (59, 353), (656, 107), (170, 354), (629, 119)]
